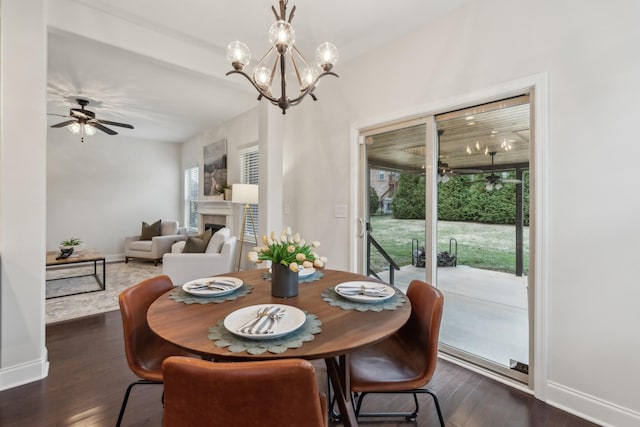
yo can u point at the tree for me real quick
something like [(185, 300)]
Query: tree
[(374, 201), (409, 200)]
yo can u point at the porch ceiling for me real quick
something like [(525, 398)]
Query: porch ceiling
[(466, 137)]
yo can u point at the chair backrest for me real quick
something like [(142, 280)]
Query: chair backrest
[(168, 228), (420, 333), (145, 351), (274, 393), (217, 240)]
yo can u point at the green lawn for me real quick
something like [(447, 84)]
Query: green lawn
[(487, 246)]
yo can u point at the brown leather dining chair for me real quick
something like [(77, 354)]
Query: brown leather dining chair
[(145, 351), (406, 361), (272, 393)]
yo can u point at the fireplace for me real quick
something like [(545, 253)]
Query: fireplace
[(213, 227), (215, 212)]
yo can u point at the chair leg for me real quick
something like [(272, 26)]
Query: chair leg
[(409, 416), (126, 398)]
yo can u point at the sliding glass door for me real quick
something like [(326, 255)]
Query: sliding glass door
[(482, 233), (445, 199)]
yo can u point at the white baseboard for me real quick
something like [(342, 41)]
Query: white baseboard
[(590, 408), (24, 373)]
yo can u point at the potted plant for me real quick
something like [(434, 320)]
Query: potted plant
[(74, 242), (225, 190), (287, 256)]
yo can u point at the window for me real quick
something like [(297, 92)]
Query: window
[(191, 198), (249, 167), (381, 176)]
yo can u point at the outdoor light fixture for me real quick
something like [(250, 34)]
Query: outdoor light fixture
[(282, 38)]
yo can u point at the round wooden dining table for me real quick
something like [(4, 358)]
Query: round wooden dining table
[(343, 330)]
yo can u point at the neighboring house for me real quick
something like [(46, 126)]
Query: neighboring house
[(385, 184)]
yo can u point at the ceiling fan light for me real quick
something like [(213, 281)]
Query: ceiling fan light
[(489, 186), (74, 127), (445, 178), (498, 186), (89, 130)]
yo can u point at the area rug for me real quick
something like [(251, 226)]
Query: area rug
[(119, 277)]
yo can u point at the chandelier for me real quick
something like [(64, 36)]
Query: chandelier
[(282, 38)]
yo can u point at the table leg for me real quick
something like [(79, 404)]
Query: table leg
[(103, 282), (338, 373)]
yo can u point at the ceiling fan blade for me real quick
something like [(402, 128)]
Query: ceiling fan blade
[(467, 171), (102, 128), (81, 114), (511, 181), (63, 124), (107, 122), (58, 115)]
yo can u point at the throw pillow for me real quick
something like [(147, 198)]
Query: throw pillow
[(197, 244), (149, 231)]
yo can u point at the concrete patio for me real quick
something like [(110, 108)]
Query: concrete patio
[(485, 312)]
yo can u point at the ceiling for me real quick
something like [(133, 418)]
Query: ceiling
[(466, 139), (159, 65)]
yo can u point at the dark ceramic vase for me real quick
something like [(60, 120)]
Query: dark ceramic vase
[(284, 282)]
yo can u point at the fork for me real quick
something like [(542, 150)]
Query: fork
[(274, 317)]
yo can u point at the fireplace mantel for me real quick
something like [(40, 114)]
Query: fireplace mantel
[(215, 207)]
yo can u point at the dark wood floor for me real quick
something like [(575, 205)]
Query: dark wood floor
[(88, 376)]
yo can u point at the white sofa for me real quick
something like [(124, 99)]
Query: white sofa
[(217, 259), (155, 248)]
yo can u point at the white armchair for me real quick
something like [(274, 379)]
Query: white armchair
[(155, 248), (217, 259)]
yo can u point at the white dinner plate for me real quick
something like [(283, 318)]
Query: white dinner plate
[(292, 320), (305, 272), (194, 287), (346, 290)]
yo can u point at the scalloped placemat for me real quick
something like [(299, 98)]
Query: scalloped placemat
[(179, 295), (317, 275), (223, 338), (335, 300)]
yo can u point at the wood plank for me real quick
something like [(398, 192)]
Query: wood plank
[(89, 374)]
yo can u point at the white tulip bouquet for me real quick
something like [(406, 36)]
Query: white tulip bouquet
[(289, 250)]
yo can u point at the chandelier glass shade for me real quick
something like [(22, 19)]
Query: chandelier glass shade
[(270, 70)]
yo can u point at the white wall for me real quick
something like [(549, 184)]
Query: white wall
[(101, 190), (240, 132), (590, 313), (23, 70)]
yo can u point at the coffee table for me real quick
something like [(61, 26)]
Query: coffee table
[(79, 259)]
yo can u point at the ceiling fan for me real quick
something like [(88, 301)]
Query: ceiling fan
[(445, 172), (85, 122), (495, 181)]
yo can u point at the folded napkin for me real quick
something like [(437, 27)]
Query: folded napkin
[(370, 291), (213, 284), (265, 321)]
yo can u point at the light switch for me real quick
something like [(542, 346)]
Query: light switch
[(340, 211)]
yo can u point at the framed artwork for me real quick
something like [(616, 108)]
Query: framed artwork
[(215, 168)]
